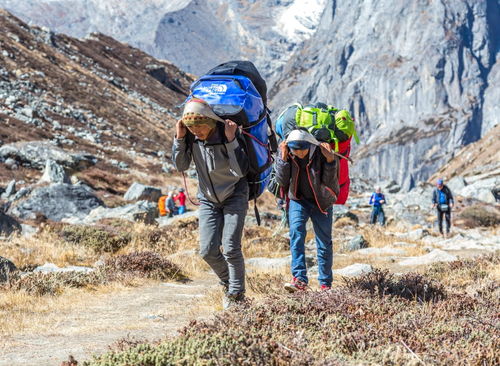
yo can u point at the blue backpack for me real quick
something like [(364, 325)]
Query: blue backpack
[(236, 91)]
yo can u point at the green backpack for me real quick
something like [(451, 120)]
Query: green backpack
[(326, 123)]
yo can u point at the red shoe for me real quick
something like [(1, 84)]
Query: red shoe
[(295, 285), (325, 287)]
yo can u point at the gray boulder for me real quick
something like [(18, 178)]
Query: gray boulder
[(354, 270), (6, 268), (8, 225), (51, 267), (54, 173), (11, 189), (140, 192), (141, 211), (265, 263), (339, 211), (356, 243), (384, 251), (34, 154), (56, 202), (437, 255)]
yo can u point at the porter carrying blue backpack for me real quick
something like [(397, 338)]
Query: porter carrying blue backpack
[(236, 91)]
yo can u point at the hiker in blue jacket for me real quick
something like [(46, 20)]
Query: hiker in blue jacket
[(216, 147), (308, 171), (442, 200), (377, 199)]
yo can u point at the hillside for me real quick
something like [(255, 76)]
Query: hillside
[(95, 95)]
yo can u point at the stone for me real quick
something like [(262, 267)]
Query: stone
[(54, 173), (56, 202), (8, 225), (28, 230), (265, 263), (11, 188), (354, 270), (7, 268), (141, 211), (34, 154), (436, 255), (356, 243), (417, 234), (140, 192), (51, 268), (23, 192), (387, 250), (11, 163)]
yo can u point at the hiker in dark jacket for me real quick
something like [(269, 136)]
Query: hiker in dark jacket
[(216, 147), (377, 199), (308, 170), (442, 199)]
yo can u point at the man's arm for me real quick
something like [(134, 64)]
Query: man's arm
[(181, 154)]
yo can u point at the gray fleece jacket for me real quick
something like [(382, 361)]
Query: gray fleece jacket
[(220, 165)]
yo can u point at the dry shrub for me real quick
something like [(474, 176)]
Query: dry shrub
[(479, 215), (54, 283), (341, 326), (265, 283), (143, 264), (101, 239), (260, 241), (411, 286), (343, 222)]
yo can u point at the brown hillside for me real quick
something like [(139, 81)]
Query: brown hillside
[(95, 95)]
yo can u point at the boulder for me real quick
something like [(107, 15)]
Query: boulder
[(265, 263), (141, 211), (356, 243), (437, 255), (141, 192), (51, 267), (387, 250), (6, 268), (56, 202), (34, 154), (354, 270), (339, 211), (54, 173), (8, 225), (11, 189)]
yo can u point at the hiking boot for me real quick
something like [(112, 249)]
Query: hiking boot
[(231, 300), (325, 287), (225, 286), (295, 285)]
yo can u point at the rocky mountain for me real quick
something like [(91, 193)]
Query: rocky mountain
[(420, 78), (100, 109), (193, 34)]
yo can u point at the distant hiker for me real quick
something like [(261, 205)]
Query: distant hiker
[(442, 199), (181, 197), (496, 193), (217, 149), (170, 204), (162, 207), (308, 170), (377, 199)]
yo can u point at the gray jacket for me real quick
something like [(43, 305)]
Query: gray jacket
[(220, 164)]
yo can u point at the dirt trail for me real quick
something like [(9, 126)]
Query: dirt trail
[(149, 312)]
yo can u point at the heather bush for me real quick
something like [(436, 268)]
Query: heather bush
[(478, 215), (100, 239), (143, 264), (54, 283)]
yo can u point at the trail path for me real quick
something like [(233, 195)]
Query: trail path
[(149, 312)]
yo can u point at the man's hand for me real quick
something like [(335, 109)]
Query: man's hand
[(284, 151), (230, 130), (181, 129), (382, 201), (326, 150)]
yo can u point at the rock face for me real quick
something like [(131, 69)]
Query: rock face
[(6, 268), (417, 78), (56, 202), (265, 31), (139, 192)]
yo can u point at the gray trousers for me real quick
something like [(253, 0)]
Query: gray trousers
[(221, 224)]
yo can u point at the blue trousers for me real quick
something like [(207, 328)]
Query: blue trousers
[(298, 214), (377, 212)]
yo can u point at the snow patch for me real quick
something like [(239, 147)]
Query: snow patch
[(300, 20)]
